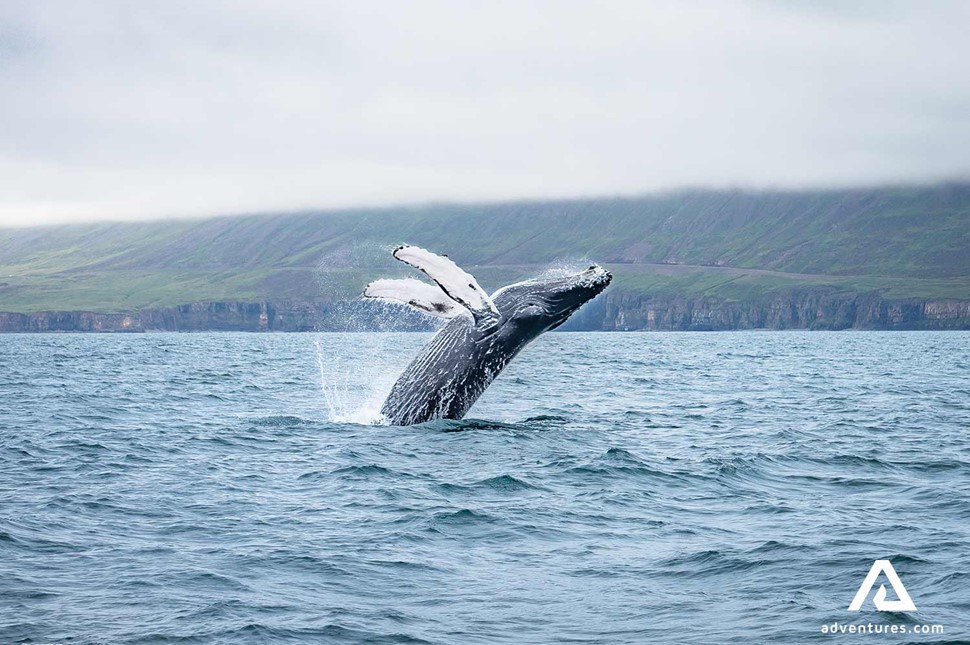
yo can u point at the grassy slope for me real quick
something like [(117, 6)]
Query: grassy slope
[(910, 242)]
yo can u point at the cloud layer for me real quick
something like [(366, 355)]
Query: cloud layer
[(130, 110)]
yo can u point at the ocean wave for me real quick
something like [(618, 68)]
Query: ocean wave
[(198, 488)]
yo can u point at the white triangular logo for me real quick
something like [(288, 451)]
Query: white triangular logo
[(905, 603)]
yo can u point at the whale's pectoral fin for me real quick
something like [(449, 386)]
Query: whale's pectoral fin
[(455, 282), (420, 295)]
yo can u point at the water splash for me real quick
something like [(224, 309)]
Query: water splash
[(348, 400), (563, 268), (350, 395)]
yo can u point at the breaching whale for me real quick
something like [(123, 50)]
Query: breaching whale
[(482, 335)]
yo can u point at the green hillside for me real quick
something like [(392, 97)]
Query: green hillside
[(905, 242)]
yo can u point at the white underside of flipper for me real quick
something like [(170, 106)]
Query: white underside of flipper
[(420, 295), (456, 283)]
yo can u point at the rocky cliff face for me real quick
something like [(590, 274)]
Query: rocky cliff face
[(44, 321), (225, 316), (616, 311), (806, 310)]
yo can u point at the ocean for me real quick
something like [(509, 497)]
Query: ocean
[(608, 488)]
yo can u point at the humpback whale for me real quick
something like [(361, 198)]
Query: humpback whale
[(483, 333)]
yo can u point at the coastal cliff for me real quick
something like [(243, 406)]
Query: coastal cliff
[(612, 312), (795, 311)]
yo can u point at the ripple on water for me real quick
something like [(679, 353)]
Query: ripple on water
[(202, 488)]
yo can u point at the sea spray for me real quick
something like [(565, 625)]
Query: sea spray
[(352, 392), (562, 268), (348, 397)]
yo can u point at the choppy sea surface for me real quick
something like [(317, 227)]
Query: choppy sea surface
[(608, 488)]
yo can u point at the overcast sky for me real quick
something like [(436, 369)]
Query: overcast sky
[(128, 110)]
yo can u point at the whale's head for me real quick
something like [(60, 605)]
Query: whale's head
[(536, 306)]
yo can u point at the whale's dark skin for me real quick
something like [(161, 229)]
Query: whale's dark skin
[(462, 359)]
